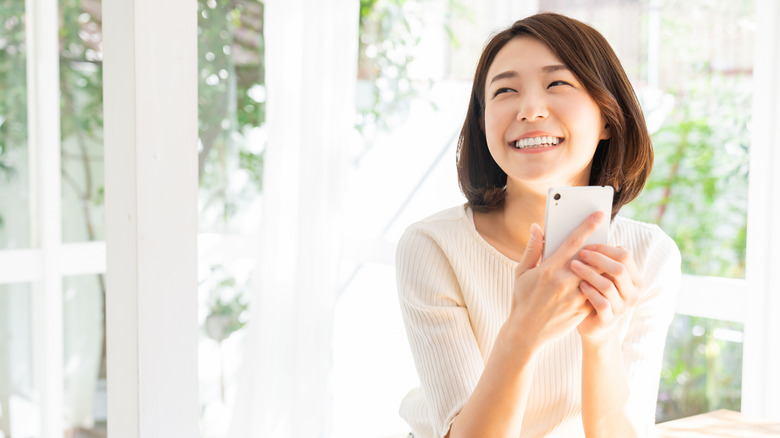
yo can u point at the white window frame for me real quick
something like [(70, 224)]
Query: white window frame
[(761, 357), (150, 86), (151, 156)]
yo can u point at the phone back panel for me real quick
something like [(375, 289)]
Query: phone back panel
[(574, 205)]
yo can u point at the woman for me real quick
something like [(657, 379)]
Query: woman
[(506, 345)]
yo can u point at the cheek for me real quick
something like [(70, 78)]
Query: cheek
[(494, 122), (588, 119)]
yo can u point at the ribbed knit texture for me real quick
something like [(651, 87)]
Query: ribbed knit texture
[(455, 293)]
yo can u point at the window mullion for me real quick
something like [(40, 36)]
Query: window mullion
[(43, 119), (713, 297), (151, 153), (761, 383)]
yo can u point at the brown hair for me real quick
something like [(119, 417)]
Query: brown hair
[(623, 161)]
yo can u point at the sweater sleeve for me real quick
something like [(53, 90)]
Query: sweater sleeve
[(445, 351), (643, 346)]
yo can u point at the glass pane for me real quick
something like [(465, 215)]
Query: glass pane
[(18, 409), (222, 314), (231, 111), (84, 355), (698, 191), (81, 88), (14, 186), (702, 368)]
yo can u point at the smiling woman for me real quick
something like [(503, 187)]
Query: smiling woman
[(540, 99), (583, 75), (506, 345)]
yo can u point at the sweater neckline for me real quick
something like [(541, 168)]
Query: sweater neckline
[(469, 216)]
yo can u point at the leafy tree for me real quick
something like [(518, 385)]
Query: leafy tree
[(13, 98)]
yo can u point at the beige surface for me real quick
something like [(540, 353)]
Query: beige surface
[(722, 423)]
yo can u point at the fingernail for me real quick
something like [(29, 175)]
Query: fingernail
[(532, 238)]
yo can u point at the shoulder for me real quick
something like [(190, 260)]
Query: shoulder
[(655, 253), (643, 237), (442, 227), (442, 239), (427, 259)]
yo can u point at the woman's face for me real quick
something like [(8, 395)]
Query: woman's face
[(542, 126)]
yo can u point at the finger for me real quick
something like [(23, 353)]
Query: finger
[(603, 264), (533, 250), (602, 284), (620, 254), (577, 238), (599, 303)]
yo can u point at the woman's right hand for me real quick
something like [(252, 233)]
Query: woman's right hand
[(546, 302)]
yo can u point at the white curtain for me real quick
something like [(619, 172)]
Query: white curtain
[(311, 69)]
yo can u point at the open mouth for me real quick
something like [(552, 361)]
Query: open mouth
[(537, 142)]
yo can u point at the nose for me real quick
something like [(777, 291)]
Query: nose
[(532, 106)]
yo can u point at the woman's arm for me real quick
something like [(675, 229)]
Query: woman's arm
[(498, 402), (620, 380), (605, 391), (611, 282), (546, 306)]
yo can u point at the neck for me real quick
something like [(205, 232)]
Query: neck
[(522, 207)]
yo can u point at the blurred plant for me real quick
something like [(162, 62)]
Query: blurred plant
[(702, 368), (13, 98), (698, 190), (226, 312), (389, 36), (231, 102), (81, 112)]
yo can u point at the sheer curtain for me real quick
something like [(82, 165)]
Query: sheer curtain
[(311, 64)]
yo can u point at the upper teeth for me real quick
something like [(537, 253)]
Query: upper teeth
[(533, 142)]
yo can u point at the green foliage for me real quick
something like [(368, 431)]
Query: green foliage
[(13, 88), (390, 32), (227, 312), (698, 190), (702, 368), (81, 115), (231, 97), (231, 102), (254, 163)]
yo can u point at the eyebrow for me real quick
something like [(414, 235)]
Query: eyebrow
[(513, 74)]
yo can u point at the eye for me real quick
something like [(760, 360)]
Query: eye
[(556, 83), (502, 90)]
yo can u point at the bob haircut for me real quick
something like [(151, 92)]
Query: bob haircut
[(624, 161)]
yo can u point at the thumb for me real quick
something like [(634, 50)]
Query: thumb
[(533, 250)]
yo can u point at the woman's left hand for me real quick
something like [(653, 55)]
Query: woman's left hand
[(611, 283)]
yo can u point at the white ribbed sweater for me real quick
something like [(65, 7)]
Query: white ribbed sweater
[(455, 294)]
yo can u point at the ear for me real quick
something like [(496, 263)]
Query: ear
[(482, 124), (606, 132)]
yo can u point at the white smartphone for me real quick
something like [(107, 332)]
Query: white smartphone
[(568, 207)]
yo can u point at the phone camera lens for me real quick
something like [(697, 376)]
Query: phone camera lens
[(557, 196)]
